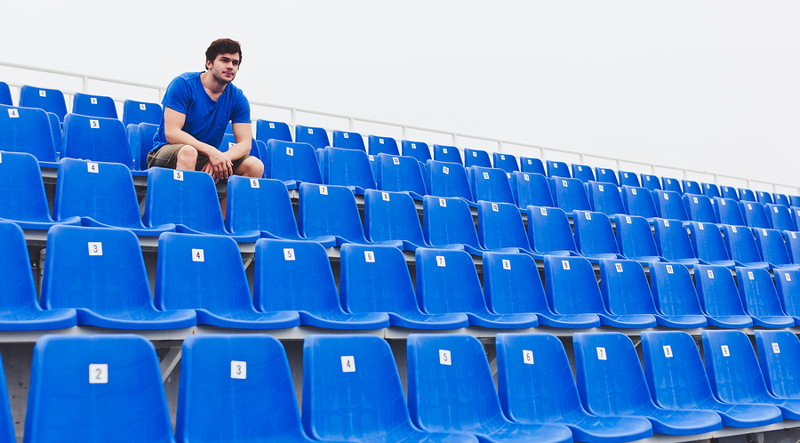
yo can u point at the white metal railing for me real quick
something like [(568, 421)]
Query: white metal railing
[(86, 81)]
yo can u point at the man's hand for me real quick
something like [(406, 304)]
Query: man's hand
[(219, 166)]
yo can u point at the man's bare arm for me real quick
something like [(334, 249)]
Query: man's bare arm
[(219, 165), (243, 133)]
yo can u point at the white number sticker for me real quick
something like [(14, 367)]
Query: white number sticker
[(701, 227), (486, 176), (348, 363), (628, 219), (290, 151), (13, 113), (42, 93), (474, 153), (444, 150), (600, 188), (633, 191), (380, 140), (92, 167), (440, 261), (444, 357), (495, 208), (94, 124), (618, 266), (667, 351), (565, 264), (710, 273), (95, 248), (580, 168), (272, 125), (177, 175), (750, 275), (442, 202), (445, 170), (93, 100), (749, 207), (254, 183), (502, 157), (601, 353), (98, 373), (764, 232), (666, 196), (788, 276), (725, 351), (776, 349), (239, 370), (385, 196), (142, 107), (669, 269), (396, 160), (733, 229), (723, 203), (371, 158), (587, 215), (369, 256), (413, 146), (198, 255), (506, 264), (564, 183), (345, 135), (310, 130), (694, 200), (526, 177), (666, 223), (527, 357), (323, 190), (288, 254), (543, 211), (775, 209)]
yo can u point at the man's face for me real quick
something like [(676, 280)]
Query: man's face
[(224, 67)]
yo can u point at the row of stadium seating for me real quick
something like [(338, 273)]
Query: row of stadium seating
[(239, 388)]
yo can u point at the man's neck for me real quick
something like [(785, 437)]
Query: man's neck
[(211, 85)]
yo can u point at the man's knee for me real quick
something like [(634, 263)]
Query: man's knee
[(251, 167), (187, 157)]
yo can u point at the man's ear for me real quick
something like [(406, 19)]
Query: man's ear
[(208, 65)]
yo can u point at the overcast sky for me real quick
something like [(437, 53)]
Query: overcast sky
[(705, 85)]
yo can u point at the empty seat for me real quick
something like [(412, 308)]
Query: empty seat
[(512, 284), (23, 199), (530, 189), (549, 232), (629, 179), (297, 276), (448, 222), (271, 130), (531, 165), (571, 288), (671, 184), (51, 100), (448, 180), (781, 217), (673, 242), (729, 192), (236, 388), (450, 389), (450, 154), (140, 140), (720, 298), (583, 173), (786, 283), (747, 195), (490, 184), (772, 247), (135, 112), (506, 162), (205, 273), (94, 105), (189, 200), (594, 235), (754, 214), (607, 175), (447, 281), (27, 130), (293, 163), (536, 385), (677, 379), (691, 187), (400, 173), (95, 388), (605, 198), (710, 190), (709, 245), (557, 169), (674, 291), (760, 298), (699, 208), (735, 375), (764, 197), (741, 243), (500, 226), (570, 195), (96, 138), (392, 216), (375, 278), (5, 94), (635, 239), (782, 199), (793, 245), (314, 136), (418, 150), (382, 145), (638, 201), (669, 205), (477, 157), (347, 167), (611, 382), (779, 357), (728, 211), (348, 140), (650, 181)]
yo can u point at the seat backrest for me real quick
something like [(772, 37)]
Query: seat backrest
[(772, 247), (450, 154), (349, 140), (729, 192), (391, 216), (418, 150), (329, 210), (673, 289), (607, 175), (102, 191), (787, 282), (15, 272), (347, 167), (243, 382), (260, 205), (707, 241), (506, 162), (728, 211), (530, 189), (629, 179), (500, 226), (446, 281), (711, 190), (375, 278), (638, 201), (699, 208), (571, 286), (532, 165), (448, 180), (272, 130), (717, 291), (549, 230), (96, 138), (669, 205), (691, 187), (23, 197), (199, 207), (313, 135), (671, 184), (382, 145), (741, 244), (511, 283), (94, 105), (27, 130), (51, 100), (650, 181), (5, 94), (594, 234), (292, 161), (782, 199), (625, 289), (673, 240), (570, 194), (747, 195), (732, 367), (135, 112), (779, 357), (754, 214), (605, 198), (557, 169), (764, 197), (477, 157), (490, 184), (400, 173), (793, 245), (608, 373), (116, 377), (758, 293), (583, 173), (635, 237), (781, 217)]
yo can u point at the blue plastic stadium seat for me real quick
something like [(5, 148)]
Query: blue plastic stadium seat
[(779, 357), (135, 112), (764, 197), (292, 163), (531, 165), (376, 279), (729, 192), (102, 195), (735, 375), (605, 198), (27, 130), (754, 214), (594, 236), (611, 382), (711, 190), (477, 157), (673, 242), (549, 232), (536, 385), (448, 180), (449, 154), (606, 175), (100, 272), (382, 145), (314, 136), (557, 169), (297, 276), (332, 211), (720, 297), (571, 288), (773, 250), (583, 173), (418, 150), (671, 184), (794, 200), (709, 245), (96, 388), (51, 100), (782, 199), (793, 245), (569, 194), (447, 281), (271, 130), (781, 217), (747, 195), (5, 94), (95, 138), (140, 139), (674, 291), (228, 140), (189, 200), (236, 388), (760, 298), (728, 211), (786, 282), (400, 173), (392, 216), (19, 306), (348, 140), (94, 105), (448, 221), (677, 380), (629, 179), (669, 205), (347, 167), (490, 184), (530, 189), (699, 208), (639, 201), (264, 205), (500, 227), (626, 292), (352, 392), (185, 263), (450, 389), (23, 199), (691, 187), (650, 181), (506, 162), (635, 239), (512, 285), (743, 248)]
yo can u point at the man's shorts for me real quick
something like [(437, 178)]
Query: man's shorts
[(167, 157)]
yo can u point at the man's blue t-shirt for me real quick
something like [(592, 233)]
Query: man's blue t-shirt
[(206, 119)]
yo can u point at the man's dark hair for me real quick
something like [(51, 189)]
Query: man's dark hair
[(223, 46)]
